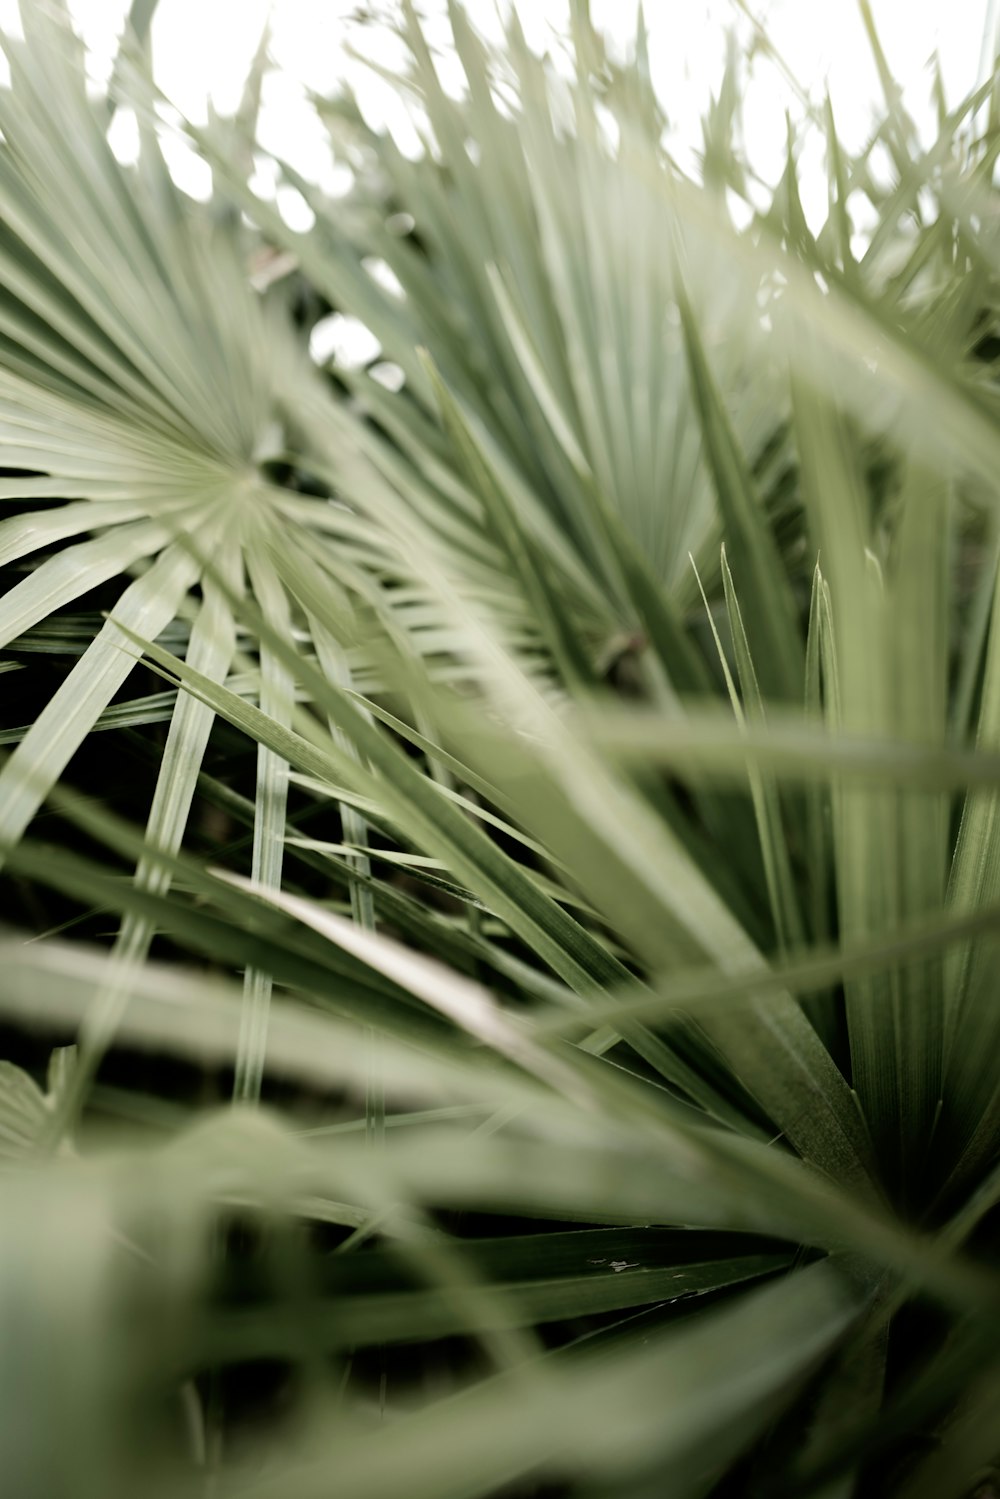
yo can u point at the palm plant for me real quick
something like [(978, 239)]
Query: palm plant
[(625, 873)]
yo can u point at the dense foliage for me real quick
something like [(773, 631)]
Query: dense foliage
[(502, 845)]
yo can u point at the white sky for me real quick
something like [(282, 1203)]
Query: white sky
[(202, 48)]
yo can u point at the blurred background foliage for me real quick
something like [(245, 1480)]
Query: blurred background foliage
[(501, 845)]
